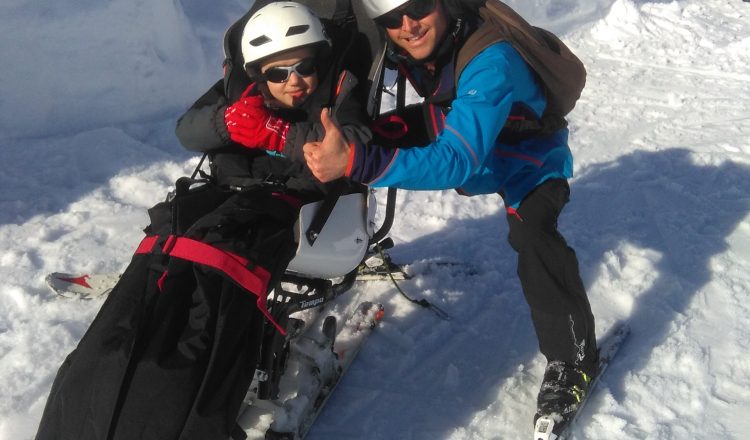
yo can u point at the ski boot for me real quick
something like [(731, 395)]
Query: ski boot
[(563, 389)]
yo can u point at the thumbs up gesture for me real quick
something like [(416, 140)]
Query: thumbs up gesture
[(329, 158)]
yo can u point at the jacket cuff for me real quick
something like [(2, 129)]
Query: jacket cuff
[(220, 125), (369, 162), (352, 154)]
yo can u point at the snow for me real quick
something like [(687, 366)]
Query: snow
[(659, 217)]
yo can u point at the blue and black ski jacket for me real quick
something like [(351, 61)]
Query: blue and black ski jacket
[(468, 153)]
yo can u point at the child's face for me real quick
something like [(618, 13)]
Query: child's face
[(290, 89)]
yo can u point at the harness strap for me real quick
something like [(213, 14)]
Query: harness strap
[(147, 244), (255, 279), (336, 189)]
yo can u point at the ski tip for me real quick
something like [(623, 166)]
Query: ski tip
[(79, 279), (81, 285)]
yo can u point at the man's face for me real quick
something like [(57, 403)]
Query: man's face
[(420, 37)]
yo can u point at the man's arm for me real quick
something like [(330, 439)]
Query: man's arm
[(483, 102)]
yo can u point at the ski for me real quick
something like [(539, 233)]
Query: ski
[(544, 428), (375, 267), (94, 285), (318, 359)]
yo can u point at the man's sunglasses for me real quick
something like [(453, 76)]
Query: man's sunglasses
[(414, 9), (281, 74)]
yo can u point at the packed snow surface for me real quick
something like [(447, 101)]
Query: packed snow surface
[(659, 217)]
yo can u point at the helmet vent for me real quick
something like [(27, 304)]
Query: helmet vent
[(296, 30), (259, 41)]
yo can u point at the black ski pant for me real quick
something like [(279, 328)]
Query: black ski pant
[(550, 278)]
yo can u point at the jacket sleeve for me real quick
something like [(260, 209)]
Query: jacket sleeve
[(348, 112), (201, 128), (484, 96)]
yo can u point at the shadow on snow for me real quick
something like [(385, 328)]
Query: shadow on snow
[(429, 379)]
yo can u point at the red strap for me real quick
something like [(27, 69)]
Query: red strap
[(253, 280), (147, 244)]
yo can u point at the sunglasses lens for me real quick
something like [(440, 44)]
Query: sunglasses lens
[(415, 9), (305, 67), (390, 20), (277, 74)]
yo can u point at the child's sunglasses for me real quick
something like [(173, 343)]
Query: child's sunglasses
[(281, 74), (414, 9)]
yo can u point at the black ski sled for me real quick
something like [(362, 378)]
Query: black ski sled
[(189, 328)]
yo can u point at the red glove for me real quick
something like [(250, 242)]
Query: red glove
[(250, 123)]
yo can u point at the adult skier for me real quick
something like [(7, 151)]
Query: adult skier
[(473, 153)]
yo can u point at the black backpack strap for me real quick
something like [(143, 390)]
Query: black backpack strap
[(324, 211)]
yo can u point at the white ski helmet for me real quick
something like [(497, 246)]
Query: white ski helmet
[(376, 8), (278, 27)]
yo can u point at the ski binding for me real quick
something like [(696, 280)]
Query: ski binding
[(319, 356)]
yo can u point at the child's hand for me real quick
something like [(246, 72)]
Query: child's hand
[(252, 125)]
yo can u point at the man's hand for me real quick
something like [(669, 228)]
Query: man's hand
[(329, 158)]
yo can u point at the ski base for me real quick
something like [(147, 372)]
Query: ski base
[(547, 427), (318, 359)]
